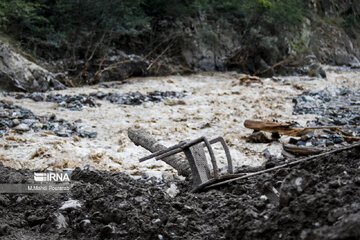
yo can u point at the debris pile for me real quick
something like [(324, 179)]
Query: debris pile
[(18, 119), (305, 141)]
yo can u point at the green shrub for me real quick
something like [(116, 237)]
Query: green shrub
[(286, 13), (351, 25)]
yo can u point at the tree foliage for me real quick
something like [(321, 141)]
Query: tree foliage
[(47, 26), (58, 23)]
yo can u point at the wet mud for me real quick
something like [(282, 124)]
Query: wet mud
[(318, 199)]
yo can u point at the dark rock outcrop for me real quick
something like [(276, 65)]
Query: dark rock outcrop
[(19, 74)]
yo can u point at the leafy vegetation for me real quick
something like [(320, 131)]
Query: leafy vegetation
[(59, 24), (69, 24), (351, 25)]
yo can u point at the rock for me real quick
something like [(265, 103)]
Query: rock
[(88, 134), (307, 136), (77, 102), (133, 65), (38, 98), (4, 229), (20, 74), (29, 120), (15, 122), (107, 230), (144, 175), (38, 125), (293, 185), (60, 221), (70, 204), (355, 63), (172, 191), (258, 137), (270, 193), (34, 220), (84, 224), (337, 106), (315, 70), (342, 59), (4, 201), (22, 127), (167, 177)]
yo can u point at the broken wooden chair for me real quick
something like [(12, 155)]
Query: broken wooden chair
[(195, 154)]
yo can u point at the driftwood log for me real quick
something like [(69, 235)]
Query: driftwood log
[(286, 129), (145, 140)]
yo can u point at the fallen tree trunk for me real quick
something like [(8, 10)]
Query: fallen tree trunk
[(142, 138)]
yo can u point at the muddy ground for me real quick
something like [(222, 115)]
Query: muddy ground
[(319, 199)]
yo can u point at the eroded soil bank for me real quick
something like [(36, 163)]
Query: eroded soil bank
[(319, 199)]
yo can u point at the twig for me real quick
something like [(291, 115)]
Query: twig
[(273, 66), (157, 58)]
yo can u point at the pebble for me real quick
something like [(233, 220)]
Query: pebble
[(23, 120), (172, 191), (336, 108), (107, 230), (15, 122), (78, 102), (70, 204), (22, 128), (84, 224), (60, 220)]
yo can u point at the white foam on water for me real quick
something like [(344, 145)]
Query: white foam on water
[(216, 104)]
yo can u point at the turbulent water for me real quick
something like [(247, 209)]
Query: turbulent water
[(215, 104)]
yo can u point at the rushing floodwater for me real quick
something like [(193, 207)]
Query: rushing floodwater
[(216, 104)]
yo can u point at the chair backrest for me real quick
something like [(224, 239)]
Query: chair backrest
[(198, 164)]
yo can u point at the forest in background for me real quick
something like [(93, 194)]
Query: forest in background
[(82, 32), (46, 27)]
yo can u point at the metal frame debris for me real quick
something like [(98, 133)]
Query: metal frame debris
[(195, 154)]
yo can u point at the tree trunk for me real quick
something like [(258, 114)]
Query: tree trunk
[(142, 138)]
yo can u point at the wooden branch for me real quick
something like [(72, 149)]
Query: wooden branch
[(142, 138), (302, 150), (315, 157), (158, 57), (286, 129), (273, 66), (110, 67)]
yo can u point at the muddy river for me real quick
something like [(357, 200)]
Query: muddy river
[(214, 104)]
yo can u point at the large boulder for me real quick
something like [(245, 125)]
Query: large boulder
[(19, 74)]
